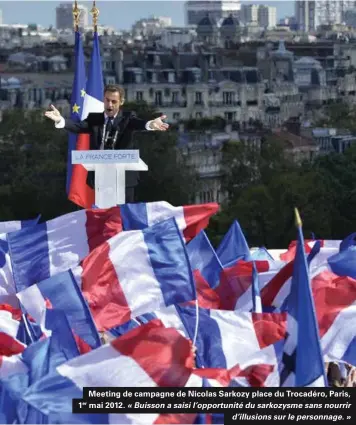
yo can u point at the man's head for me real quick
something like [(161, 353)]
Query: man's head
[(114, 97)]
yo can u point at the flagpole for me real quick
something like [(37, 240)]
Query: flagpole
[(298, 220), (76, 16), (95, 13)]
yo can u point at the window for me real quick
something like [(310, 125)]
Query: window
[(198, 98), (167, 92), (228, 97), (230, 116), (138, 78), (198, 115), (139, 96), (158, 98), (175, 96), (197, 75), (157, 60), (171, 77), (110, 80)]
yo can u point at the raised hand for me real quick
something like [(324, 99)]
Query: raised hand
[(158, 124), (53, 114)]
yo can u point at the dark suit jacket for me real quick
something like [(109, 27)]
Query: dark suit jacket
[(126, 122)]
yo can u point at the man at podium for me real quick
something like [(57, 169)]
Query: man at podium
[(111, 129)]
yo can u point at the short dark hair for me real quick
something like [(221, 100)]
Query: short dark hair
[(113, 88)]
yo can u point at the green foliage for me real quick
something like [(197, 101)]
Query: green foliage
[(202, 124), (33, 167), (339, 115), (142, 109), (265, 188), (169, 178)]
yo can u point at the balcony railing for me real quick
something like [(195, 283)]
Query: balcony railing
[(177, 104), (224, 104)]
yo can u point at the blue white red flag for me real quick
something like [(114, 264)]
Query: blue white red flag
[(79, 192), (76, 103)]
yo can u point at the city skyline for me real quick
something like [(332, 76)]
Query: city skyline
[(44, 12)]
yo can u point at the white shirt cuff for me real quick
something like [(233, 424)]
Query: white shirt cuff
[(148, 128), (60, 124)]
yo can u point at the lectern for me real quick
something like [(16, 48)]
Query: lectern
[(110, 167)]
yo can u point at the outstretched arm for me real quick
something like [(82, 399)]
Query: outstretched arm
[(158, 124), (66, 123), (153, 125)]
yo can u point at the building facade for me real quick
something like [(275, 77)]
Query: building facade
[(64, 16), (311, 14), (195, 11)]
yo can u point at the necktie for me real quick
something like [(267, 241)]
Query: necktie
[(108, 131), (109, 127)]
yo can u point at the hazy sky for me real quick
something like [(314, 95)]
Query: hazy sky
[(118, 14)]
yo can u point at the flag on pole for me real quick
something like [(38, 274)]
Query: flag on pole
[(78, 93), (80, 193), (303, 364)]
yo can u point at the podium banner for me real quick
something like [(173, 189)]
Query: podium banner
[(106, 157)]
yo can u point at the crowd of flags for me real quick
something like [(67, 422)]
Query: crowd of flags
[(103, 297)]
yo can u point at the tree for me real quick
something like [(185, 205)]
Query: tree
[(240, 165), (33, 167), (339, 173), (244, 164), (169, 177), (265, 187), (339, 115)]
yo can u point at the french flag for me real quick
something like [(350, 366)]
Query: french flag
[(234, 246), (12, 226), (261, 254), (276, 285), (144, 357), (206, 269), (7, 285), (40, 358), (203, 258), (10, 343), (77, 99), (226, 289), (236, 289), (80, 193), (12, 365), (41, 251), (328, 248), (38, 298), (135, 273), (303, 363), (229, 338), (191, 219), (244, 343), (335, 303)]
